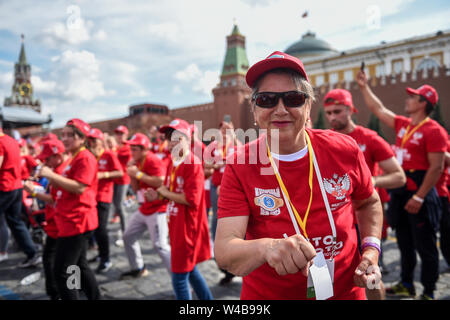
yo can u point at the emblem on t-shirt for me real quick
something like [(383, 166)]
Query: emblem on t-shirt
[(401, 132), (416, 137), (362, 147), (337, 186), (269, 201)]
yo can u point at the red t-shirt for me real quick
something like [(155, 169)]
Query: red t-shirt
[(161, 150), (430, 137), (213, 151), (77, 213), (188, 225), (245, 191), (152, 166), (10, 170), (106, 163), (50, 225), (441, 185), (124, 156), (28, 164), (375, 149), (198, 149)]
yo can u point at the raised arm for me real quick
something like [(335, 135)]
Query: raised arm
[(373, 102)]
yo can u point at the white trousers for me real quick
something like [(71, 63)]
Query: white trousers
[(156, 224)]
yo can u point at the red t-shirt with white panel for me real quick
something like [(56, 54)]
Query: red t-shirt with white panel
[(77, 213), (247, 192), (152, 166), (107, 162), (188, 225), (375, 149), (10, 170), (124, 156), (430, 137)]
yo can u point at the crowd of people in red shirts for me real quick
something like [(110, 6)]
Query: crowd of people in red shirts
[(69, 185)]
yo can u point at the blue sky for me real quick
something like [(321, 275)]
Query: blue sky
[(93, 59)]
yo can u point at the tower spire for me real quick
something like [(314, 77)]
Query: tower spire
[(22, 56), (236, 61)]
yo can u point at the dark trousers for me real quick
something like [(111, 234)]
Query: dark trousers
[(101, 233), (70, 262), (11, 207), (445, 230), (414, 233), (48, 261)]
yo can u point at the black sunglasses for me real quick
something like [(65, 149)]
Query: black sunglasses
[(291, 99)]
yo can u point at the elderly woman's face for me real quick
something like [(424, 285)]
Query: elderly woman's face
[(289, 121)]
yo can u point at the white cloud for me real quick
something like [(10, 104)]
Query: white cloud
[(201, 81), (191, 72), (42, 87), (76, 74), (59, 34), (167, 31)]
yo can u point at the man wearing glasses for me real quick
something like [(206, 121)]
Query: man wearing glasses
[(287, 222)]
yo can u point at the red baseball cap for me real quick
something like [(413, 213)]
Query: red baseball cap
[(275, 60), (80, 125), (339, 96), (49, 136), (426, 91), (96, 133), (22, 142), (49, 148), (121, 129), (179, 125), (139, 139)]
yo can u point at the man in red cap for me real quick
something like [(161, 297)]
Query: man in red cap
[(147, 173), (121, 184), (11, 202), (294, 209), (53, 156), (339, 108), (109, 168), (415, 210)]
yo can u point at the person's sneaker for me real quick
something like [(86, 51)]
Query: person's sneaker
[(104, 267), (401, 290), (227, 279), (31, 262), (138, 273), (425, 296), (119, 243), (3, 256)]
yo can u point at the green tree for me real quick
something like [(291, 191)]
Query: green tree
[(437, 115), (320, 122), (374, 124)]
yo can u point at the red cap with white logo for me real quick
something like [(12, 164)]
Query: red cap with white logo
[(179, 125), (139, 139), (426, 91), (121, 129), (96, 133), (275, 60), (339, 96), (49, 148), (80, 125)]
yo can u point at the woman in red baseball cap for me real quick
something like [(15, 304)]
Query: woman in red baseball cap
[(54, 157), (76, 214), (188, 224)]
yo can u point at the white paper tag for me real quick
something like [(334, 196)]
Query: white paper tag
[(399, 155), (321, 277)]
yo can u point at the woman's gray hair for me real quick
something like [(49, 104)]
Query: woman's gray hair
[(300, 82)]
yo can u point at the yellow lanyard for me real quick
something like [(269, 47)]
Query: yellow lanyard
[(408, 134), (100, 155), (172, 176), (301, 223)]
